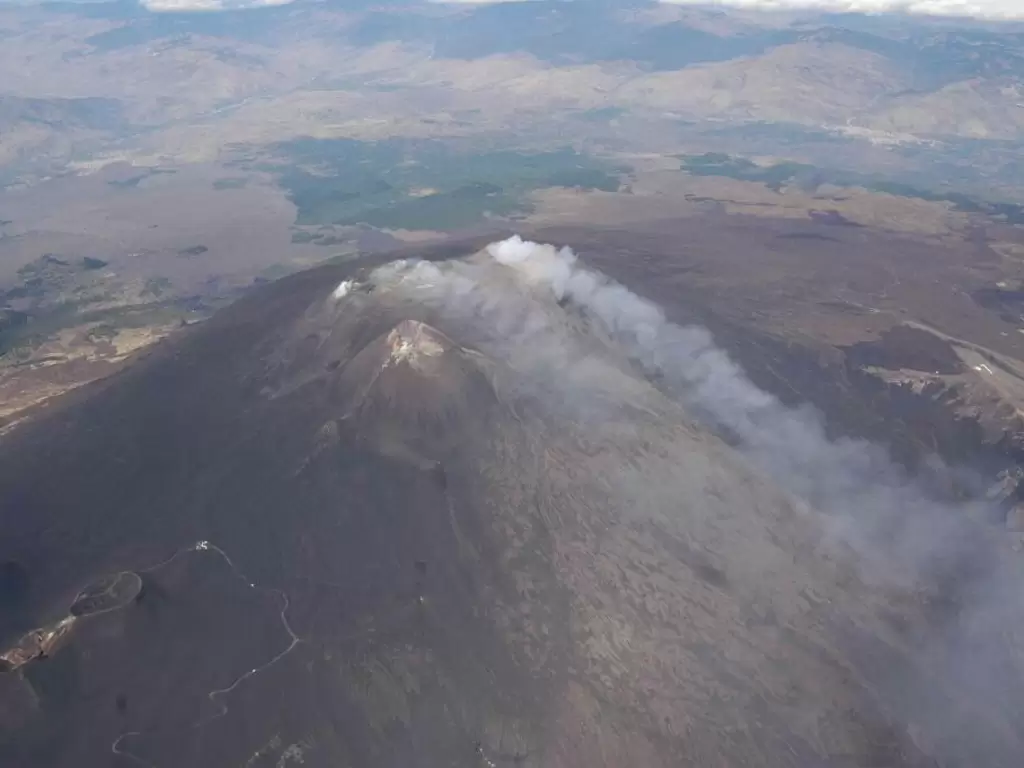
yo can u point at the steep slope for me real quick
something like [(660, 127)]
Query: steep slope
[(411, 514)]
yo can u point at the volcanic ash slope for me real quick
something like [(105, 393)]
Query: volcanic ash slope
[(493, 541)]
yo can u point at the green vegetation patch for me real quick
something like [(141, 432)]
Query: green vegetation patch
[(423, 185), (231, 182)]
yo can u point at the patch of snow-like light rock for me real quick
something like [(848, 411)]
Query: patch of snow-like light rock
[(342, 290)]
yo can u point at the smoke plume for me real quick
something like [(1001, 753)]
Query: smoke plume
[(900, 537), (869, 497)]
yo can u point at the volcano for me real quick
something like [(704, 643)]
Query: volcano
[(428, 513)]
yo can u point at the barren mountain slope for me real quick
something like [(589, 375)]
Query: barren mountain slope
[(410, 514)]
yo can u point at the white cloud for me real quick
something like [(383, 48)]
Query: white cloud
[(169, 6), (1004, 10), (476, 2)]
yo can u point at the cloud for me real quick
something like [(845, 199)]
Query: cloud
[(996, 10), (478, 2), (183, 6)]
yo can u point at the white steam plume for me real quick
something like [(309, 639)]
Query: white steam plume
[(968, 665), (852, 479), (901, 536), (994, 10)]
